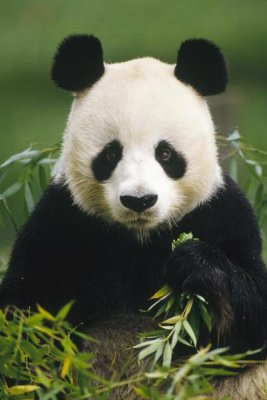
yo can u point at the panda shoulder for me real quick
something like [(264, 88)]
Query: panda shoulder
[(56, 216), (227, 217)]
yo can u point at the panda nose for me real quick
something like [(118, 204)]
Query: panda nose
[(139, 204)]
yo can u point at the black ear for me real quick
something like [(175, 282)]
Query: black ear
[(78, 62), (201, 64)]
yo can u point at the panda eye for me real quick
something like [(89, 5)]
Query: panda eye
[(111, 155), (164, 154), (171, 160), (113, 152), (106, 161)]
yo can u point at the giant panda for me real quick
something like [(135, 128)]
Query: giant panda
[(139, 165)]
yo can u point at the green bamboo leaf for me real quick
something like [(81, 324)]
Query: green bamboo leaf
[(172, 320), (160, 293), (22, 389), (146, 343), (167, 355), (184, 341), (11, 190), (45, 313), (29, 198), (205, 315), (64, 311), (26, 154), (42, 177), (34, 319), (183, 237), (156, 375), (149, 350), (158, 353), (30, 349), (43, 379), (3, 175), (170, 303), (201, 298), (160, 311), (250, 162), (176, 333), (141, 392), (234, 136), (258, 170), (190, 332)]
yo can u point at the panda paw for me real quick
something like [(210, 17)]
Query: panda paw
[(196, 267)]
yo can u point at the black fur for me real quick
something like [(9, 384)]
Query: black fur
[(175, 164), (63, 254), (106, 161), (78, 63), (201, 64)]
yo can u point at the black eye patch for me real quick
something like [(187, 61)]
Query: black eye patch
[(106, 161), (172, 161)]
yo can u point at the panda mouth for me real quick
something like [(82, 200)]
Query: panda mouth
[(140, 222)]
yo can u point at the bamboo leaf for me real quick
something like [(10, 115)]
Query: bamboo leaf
[(26, 154), (190, 332), (22, 389), (172, 320), (176, 333), (42, 177), (258, 170), (156, 375), (158, 353), (234, 136), (11, 190), (184, 341), (205, 316), (149, 350), (160, 293), (167, 355), (146, 343), (66, 366), (29, 198), (45, 313), (64, 311)]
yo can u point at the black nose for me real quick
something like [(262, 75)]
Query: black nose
[(139, 204)]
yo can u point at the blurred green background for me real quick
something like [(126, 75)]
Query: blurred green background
[(34, 111)]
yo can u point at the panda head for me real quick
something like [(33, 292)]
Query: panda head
[(139, 147)]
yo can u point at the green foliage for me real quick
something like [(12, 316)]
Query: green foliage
[(237, 151), (38, 353), (181, 324), (33, 174)]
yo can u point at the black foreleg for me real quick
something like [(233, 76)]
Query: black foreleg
[(237, 297)]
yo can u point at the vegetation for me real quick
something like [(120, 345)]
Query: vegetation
[(38, 354)]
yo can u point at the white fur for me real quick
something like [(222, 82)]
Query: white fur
[(140, 103), (249, 385)]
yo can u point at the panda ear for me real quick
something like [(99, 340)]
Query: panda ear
[(201, 64), (78, 62)]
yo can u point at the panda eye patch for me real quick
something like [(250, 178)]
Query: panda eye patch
[(172, 161), (164, 154), (106, 161), (112, 154)]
